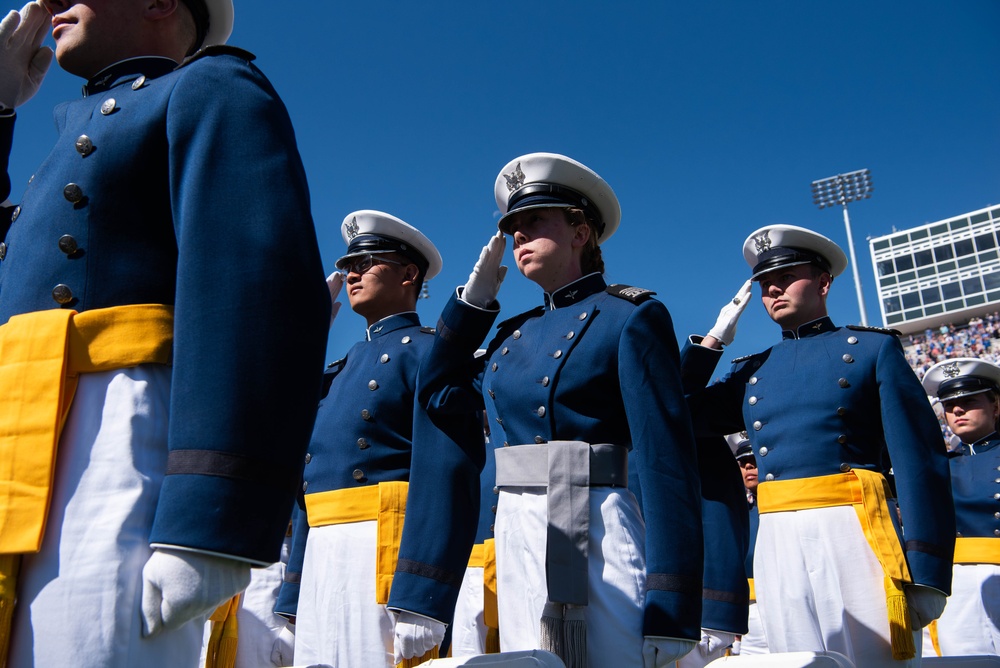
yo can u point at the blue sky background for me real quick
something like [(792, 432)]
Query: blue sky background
[(709, 119)]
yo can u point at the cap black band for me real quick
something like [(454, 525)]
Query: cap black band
[(373, 243), (776, 258), (553, 194), (963, 386)]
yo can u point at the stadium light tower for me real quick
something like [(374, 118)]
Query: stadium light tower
[(841, 189)]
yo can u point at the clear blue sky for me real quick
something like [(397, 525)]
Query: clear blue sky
[(709, 119)]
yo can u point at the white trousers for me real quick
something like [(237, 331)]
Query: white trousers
[(79, 599), (617, 573), (338, 621), (753, 641), (970, 623), (820, 587), (468, 630)]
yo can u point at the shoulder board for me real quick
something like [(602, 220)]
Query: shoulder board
[(218, 50), (743, 359), (630, 293), (879, 330), (428, 330), (521, 317), (338, 365)]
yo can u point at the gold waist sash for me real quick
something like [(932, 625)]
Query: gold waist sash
[(977, 551)]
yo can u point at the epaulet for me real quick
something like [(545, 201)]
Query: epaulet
[(630, 293), (218, 50), (336, 366), (879, 330), (428, 330), (521, 317), (744, 358)]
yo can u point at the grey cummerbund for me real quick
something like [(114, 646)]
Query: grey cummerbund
[(528, 465)]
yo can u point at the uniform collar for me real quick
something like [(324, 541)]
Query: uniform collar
[(128, 70), (575, 292), (983, 444), (812, 328), (392, 323)]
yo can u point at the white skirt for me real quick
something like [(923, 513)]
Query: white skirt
[(79, 599), (617, 573), (820, 587), (338, 621), (970, 623)]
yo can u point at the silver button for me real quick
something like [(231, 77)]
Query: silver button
[(845, 467), (108, 106), (843, 382), (73, 193), (506, 444), (545, 381), (847, 358), (372, 385), (505, 350), (516, 334), (752, 401), (62, 294), (309, 457), (758, 425), (84, 145), (492, 394), (496, 490), (583, 316), (137, 84), (406, 340), (3, 250), (358, 475), (67, 244), (494, 367), (541, 411), (841, 411), (570, 335), (763, 451), (366, 415), (769, 477), (494, 509), (499, 421), (384, 358), (362, 444), (852, 340), (539, 439), (997, 497), (557, 354), (842, 439), (996, 515), (753, 381), (16, 213), (305, 486)]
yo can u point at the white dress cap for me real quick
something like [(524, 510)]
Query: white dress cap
[(375, 232), (540, 180), (961, 377), (779, 246)]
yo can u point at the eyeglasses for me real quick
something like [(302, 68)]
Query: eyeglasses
[(362, 263)]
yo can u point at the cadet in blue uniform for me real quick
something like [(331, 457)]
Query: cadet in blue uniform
[(822, 408), (569, 388), (165, 269), (358, 463), (969, 390), (753, 641)]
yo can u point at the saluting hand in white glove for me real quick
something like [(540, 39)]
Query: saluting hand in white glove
[(334, 283), (484, 282), (415, 635), (178, 586), (23, 59), (724, 329)]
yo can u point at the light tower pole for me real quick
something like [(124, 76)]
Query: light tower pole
[(841, 189)]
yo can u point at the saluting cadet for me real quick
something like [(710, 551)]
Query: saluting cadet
[(358, 462), (123, 272), (822, 407), (569, 388), (753, 641), (969, 391)]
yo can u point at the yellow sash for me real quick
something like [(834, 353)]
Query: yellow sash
[(491, 615), (977, 551), (753, 592), (476, 556), (867, 492)]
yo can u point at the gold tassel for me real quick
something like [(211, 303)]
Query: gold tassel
[(492, 640), (9, 566), (417, 660), (932, 628), (222, 641), (899, 621)]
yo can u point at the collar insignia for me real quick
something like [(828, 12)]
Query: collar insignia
[(571, 294), (352, 228), (762, 243), (515, 179), (376, 330), (951, 370)]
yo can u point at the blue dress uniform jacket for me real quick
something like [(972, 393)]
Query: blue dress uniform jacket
[(975, 485), (183, 186), (828, 399), (600, 368)]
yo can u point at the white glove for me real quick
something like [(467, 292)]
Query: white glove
[(713, 642), (486, 277), (178, 586), (283, 649), (925, 603), (23, 59), (415, 635), (660, 652), (724, 329), (334, 282)]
